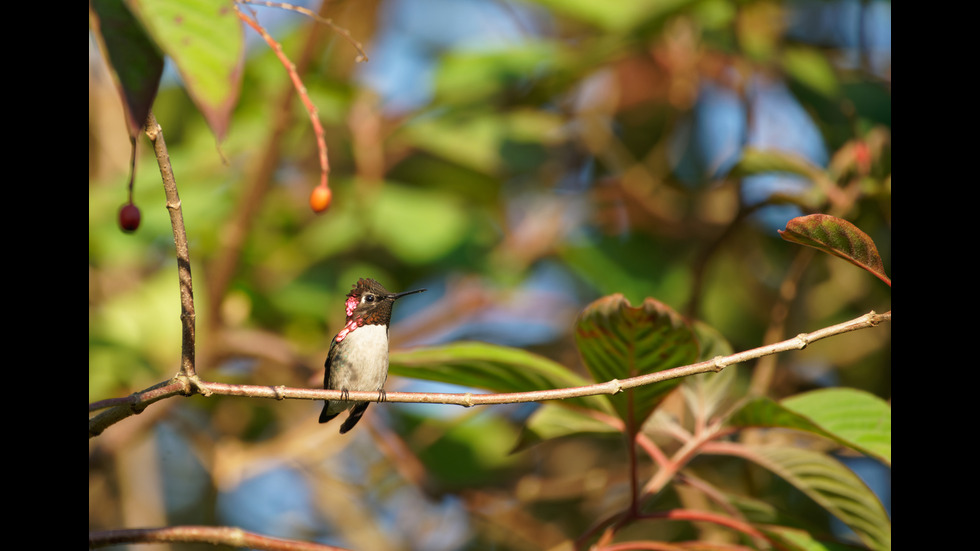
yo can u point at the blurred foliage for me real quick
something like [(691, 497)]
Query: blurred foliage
[(520, 160)]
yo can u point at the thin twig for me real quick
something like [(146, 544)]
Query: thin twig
[(300, 89), (235, 231), (362, 58), (215, 535), (468, 399), (187, 315)]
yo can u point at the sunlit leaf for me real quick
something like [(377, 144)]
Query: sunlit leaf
[(794, 539), (484, 142), (832, 485), (760, 161), (417, 225), (812, 68), (616, 16), (619, 341), (206, 42), (492, 367), (859, 419), (133, 59), (838, 237), (852, 418), (552, 421), (471, 76)]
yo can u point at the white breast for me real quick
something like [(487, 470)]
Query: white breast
[(366, 351)]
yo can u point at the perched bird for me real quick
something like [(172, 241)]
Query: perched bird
[(358, 356)]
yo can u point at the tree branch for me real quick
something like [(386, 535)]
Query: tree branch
[(184, 385), (215, 535), (187, 316)]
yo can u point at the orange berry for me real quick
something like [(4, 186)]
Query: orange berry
[(129, 217), (320, 198)]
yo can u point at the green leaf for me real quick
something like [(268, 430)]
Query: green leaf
[(621, 15), (855, 419), (813, 69), (832, 485), (614, 16), (838, 237), (761, 161), (134, 60), (554, 420), (794, 539), (479, 76), (485, 142), (416, 225), (706, 393), (206, 42), (493, 367), (619, 341)]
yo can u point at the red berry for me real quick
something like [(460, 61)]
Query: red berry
[(320, 198), (129, 217), (862, 156)]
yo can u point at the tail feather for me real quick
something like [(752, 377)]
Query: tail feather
[(325, 415), (355, 415)]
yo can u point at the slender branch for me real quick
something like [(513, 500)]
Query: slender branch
[(764, 370), (187, 315), (185, 383), (468, 399), (706, 516), (215, 535), (235, 231), (363, 57), (300, 89)]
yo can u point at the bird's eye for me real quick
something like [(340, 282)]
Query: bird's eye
[(368, 298)]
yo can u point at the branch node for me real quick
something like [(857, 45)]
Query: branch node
[(618, 387), (152, 131), (193, 385), (719, 362), (280, 392), (803, 340), (136, 406), (468, 400)]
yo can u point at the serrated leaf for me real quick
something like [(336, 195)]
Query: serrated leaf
[(206, 42), (852, 418), (134, 60), (838, 237), (493, 367), (619, 341), (832, 485)]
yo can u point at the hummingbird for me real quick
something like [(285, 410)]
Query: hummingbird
[(358, 356)]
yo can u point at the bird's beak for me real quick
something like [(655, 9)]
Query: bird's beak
[(400, 295)]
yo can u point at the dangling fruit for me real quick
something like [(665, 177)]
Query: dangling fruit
[(320, 198), (129, 217)]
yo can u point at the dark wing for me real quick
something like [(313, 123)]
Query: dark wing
[(324, 416)]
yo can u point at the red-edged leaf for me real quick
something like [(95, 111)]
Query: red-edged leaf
[(619, 341), (838, 237), (134, 60)]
